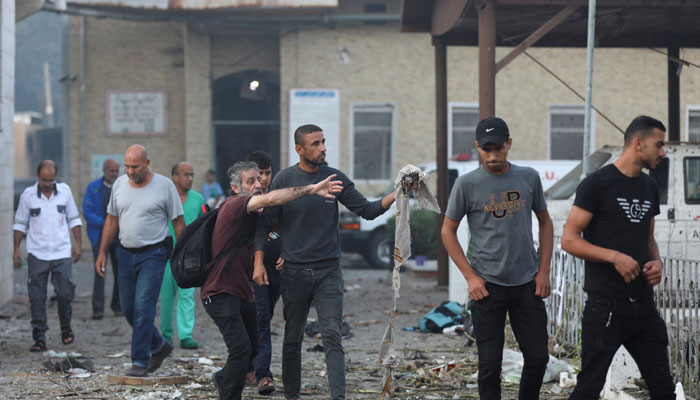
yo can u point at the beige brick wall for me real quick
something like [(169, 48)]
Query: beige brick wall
[(197, 83), (7, 109), (387, 66), (123, 55)]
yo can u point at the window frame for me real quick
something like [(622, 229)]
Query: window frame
[(686, 195), (688, 110), (450, 109), (368, 105), (561, 108)]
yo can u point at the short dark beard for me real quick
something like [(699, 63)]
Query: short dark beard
[(314, 163)]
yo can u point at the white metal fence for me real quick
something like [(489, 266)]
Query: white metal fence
[(677, 298)]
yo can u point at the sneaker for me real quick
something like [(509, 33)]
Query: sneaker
[(188, 344), (157, 358), (135, 370)]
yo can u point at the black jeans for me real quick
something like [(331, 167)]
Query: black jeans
[(636, 324), (238, 323), (528, 318), (98, 282), (324, 288)]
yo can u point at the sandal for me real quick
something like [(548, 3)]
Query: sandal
[(266, 386), (39, 345), (67, 335)]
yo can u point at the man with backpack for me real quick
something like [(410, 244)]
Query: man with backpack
[(227, 292), (504, 273)]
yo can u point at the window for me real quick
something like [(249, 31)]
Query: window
[(566, 132), (463, 119), (694, 124), (692, 179), (372, 134)]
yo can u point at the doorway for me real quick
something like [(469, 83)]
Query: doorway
[(245, 118)]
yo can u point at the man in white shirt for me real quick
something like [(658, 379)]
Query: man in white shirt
[(46, 213)]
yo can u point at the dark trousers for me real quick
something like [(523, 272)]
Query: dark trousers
[(528, 318), (238, 323), (62, 280), (322, 287), (636, 324), (98, 282), (266, 298)]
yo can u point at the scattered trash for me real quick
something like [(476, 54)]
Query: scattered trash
[(318, 348), (565, 381), (411, 329), (454, 330), (53, 354), (192, 385), (158, 395), (680, 393), (448, 313), (205, 361), (555, 368), (352, 287), (443, 368), (368, 322), (116, 355), (68, 364)]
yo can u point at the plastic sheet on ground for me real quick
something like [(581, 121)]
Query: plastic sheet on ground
[(512, 368)]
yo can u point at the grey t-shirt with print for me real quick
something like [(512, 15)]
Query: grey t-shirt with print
[(499, 213), (144, 212)]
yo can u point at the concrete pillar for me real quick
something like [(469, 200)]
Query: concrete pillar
[(198, 133), (7, 110)]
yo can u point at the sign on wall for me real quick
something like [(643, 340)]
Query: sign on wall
[(98, 161), (136, 113), (320, 107)]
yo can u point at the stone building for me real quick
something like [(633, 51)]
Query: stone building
[(209, 85)]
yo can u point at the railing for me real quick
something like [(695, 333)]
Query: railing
[(677, 298)]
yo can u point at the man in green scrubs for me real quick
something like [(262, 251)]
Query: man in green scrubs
[(192, 202)]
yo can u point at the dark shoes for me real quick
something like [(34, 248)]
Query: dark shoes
[(39, 345), (97, 315), (188, 344), (136, 371), (67, 334), (157, 358), (266, 386)]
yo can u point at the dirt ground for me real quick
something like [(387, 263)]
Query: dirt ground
[(106, 343)]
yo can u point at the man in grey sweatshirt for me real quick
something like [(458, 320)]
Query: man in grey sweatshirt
[(311, 251)]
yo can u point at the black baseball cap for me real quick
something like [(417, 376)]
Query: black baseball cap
[(492, 130)]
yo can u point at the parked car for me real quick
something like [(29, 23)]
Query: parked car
[(375, 243)]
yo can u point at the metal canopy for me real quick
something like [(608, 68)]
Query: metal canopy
[(620, 23)]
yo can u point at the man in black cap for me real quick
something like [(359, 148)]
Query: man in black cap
[(504, 272)]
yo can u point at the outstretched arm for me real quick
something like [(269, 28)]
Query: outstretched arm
[(326, 188)]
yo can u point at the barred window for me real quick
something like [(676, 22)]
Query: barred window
[(694, 125), (463, 121), (372, 133), (566, 132)]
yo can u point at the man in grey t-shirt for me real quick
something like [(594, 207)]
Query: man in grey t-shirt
[(504, 273), (141, 205)]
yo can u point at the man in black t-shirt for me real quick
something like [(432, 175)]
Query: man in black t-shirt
[(614, 209)]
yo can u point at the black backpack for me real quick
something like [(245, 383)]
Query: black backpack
[(192, 258)]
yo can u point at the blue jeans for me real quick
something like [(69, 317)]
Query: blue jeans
[(322, 287), (609, 323), (266, 298), (528, 319), (62, 281), (140, 276), (237, 323)]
